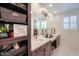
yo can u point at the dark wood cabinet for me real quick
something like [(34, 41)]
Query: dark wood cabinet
[(16, 52), (10, 13), (21, 5), (14, 7), (12, 16), (14, 12), (44, 50), (56, 42), (48, 49)]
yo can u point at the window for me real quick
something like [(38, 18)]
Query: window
[(66, 22), (73, 22), (70, 22)]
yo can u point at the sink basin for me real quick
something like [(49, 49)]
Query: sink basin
[(42, 39)]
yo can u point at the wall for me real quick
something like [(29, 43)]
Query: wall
[(69, 38), (50, 23)]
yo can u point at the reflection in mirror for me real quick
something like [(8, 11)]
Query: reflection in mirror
[(39, 25)]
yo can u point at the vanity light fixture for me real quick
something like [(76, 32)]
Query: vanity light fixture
[(55, 12), (50, 5)]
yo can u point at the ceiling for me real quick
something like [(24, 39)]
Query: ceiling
[(60, 7)]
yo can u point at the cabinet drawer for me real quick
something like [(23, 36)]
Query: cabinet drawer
[(12, 16), (48, 49)]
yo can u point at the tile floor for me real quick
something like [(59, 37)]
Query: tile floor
[(65, 50)]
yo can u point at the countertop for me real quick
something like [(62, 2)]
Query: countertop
[(36, 43)]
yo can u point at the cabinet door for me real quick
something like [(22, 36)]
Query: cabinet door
[(58, 40), (40, 51), (48, 49), (34, 53), (44, 50)]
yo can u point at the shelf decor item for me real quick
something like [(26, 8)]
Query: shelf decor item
[(10, 44), (16, 46), (3, 33)]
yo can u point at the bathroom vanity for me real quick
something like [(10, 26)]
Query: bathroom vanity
[(42, 46)]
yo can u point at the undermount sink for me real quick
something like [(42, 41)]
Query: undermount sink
[(42, 38)]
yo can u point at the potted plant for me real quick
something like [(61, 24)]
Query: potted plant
[(3, 32)]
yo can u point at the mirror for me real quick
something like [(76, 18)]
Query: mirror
[(39, 25)]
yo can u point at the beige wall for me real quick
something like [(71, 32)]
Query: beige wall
[(69, 38), (50, 23)]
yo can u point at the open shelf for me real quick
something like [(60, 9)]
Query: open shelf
[(12, 40), (14, 7), (11, 22), (25, 41), (16, 52)]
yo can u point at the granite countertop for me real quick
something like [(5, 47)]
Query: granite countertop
[(36, 43)]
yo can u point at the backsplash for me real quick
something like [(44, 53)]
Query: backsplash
[(20, 30)]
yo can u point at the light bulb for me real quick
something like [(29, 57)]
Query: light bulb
[(50, 5)]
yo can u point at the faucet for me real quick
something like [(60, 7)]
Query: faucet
[(54, 31)]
